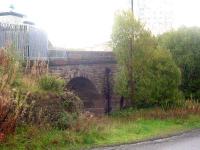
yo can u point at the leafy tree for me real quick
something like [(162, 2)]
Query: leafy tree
[(184, 45), (127, 31), (147, 74), (157, 78)]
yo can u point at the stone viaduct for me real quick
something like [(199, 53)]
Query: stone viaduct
[(90, 74)]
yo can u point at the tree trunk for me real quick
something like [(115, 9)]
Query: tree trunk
[(131, 74)]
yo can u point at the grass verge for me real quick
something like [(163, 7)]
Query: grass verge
[(113, 130)]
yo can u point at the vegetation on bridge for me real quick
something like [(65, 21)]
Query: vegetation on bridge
[(32, 98)]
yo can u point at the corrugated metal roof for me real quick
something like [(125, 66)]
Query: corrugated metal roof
[(11, 13)]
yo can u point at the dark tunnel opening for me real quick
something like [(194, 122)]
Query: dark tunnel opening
[(86, 90)]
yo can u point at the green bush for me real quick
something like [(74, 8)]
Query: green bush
[(66, 120), (157, 79), (60, 110), (51, 83), (147, 75), (71, 103), (184, 44)]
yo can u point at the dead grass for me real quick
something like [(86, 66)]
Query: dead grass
[(10, 99), (93, 131), (189, 107)]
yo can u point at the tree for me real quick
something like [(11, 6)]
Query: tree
[(184, 45), (147, 74), (157, 78), (127, 31)]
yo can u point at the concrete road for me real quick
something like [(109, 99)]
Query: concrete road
[(185, 141)]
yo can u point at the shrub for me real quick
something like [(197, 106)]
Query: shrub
[(184, 44), (66, 120), (11, 101), (55, 109), (147, 75), (51, 83), (9, 68), (157, 79), (71, 103)]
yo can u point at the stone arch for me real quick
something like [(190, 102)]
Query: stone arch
[(87, 91), (88, 73)]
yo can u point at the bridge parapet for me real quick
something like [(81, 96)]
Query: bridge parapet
[(60, 58)]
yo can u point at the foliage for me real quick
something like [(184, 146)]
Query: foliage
[(71, 103), (12, 100), (101, 131), (186, 108), (121, 82), (156, 77), (55, 109), (9, 67), (51, 83), (127, 38), (66, 120), (184, 45), (28, 83), (36, 68), (22, 99)]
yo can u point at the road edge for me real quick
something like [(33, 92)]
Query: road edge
[(153, 139)]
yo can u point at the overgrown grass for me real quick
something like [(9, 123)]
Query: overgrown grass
[(88, 131), (16, 86), (51, 83), (110, 130)]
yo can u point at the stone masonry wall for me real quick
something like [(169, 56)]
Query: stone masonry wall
[(91, 67)]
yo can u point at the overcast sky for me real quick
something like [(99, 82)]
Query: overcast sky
[(82, 23)]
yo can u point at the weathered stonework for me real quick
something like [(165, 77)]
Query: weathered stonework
[(91, 66)]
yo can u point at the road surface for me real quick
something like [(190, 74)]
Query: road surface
[(185, 141)]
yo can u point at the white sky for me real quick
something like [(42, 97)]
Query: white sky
[(82, 23)]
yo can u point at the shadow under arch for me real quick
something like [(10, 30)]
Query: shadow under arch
[(86, 90)]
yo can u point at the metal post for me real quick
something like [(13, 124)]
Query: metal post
[(108, 91), (132, 6), (131, 80)]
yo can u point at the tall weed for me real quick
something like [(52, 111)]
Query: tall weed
[(51, 83), (11, 100)]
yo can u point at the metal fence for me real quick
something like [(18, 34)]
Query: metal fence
[(28, 41)]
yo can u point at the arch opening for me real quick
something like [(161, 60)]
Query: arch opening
[(86, 90)]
